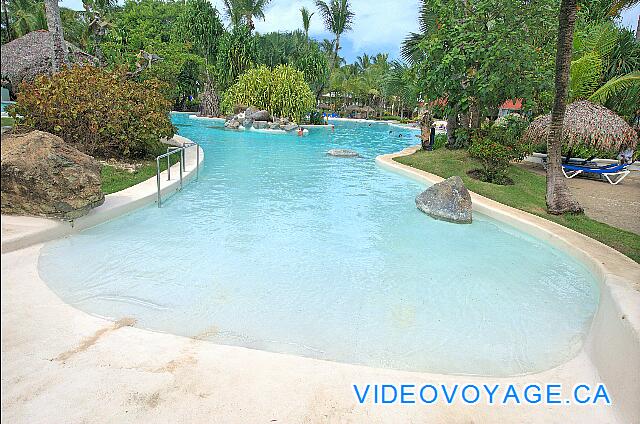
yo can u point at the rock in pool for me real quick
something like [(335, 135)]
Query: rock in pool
[(448, 200), (343, 153)]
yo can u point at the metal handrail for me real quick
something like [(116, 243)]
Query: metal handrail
[(182, 167)]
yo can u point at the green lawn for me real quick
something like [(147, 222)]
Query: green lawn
[(115, 179), (527, 194), (7, 122)]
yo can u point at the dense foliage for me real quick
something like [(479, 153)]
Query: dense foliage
[(498, 145), (100, 112), (282, 91)]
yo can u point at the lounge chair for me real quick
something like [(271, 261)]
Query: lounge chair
[(614, 173)]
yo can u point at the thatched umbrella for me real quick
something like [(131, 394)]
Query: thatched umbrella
[(587, 124), (324, 106), (24, 58), (368, 110), (352, 108)]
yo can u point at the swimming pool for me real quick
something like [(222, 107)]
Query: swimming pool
[(280, 247)]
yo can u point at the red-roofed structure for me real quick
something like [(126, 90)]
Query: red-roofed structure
[(510, 106)]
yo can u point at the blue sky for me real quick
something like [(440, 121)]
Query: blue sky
[(380, 25)]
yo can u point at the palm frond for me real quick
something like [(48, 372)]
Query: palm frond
[(618, 5), (615, 86), (585, 76)]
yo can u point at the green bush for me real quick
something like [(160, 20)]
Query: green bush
[(282, 91), (440, 141), (462, 139), (498, 145), (101, 113)]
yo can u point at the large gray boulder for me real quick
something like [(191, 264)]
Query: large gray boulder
[(42, 175), (448, 200), (260, 125), (261, 115), (343, 153)]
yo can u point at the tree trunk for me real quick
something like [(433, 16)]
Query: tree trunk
[(559, 199), (465, 119), (425, 129), (638, 29), (54, 24), (7, 29), (474, 110), (452, 125), (209, 100)]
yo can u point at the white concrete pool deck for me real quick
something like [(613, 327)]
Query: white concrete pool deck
[(61, 365)]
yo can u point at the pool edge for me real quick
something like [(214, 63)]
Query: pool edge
[(26, 231), (613, 341)]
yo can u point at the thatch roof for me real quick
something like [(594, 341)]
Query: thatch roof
[(30, 55), (324, 106), (587, 124), (368, 109), (353, 108)]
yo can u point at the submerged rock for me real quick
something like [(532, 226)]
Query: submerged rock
[(448, 200), (43, 175), (289, 127), (343, 153)]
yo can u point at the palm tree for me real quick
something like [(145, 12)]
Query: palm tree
[(54, 24), (245, 10), (559, 198), (338, 18), (362, 62), (306, 20), (21, 17)]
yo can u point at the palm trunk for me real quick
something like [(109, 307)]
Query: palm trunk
[(559, 199), (335, 56), (54, 24), (7, 30), (638, 29)]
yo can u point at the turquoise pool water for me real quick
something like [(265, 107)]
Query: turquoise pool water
[(5, 104), (282, 248)]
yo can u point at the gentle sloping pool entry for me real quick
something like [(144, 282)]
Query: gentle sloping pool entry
[(282, 248)]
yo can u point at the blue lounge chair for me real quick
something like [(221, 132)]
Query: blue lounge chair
[(615, 171)]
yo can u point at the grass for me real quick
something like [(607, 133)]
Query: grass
[(527, 194), (7, 121), (115, 179)]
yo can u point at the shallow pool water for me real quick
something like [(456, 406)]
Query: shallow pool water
[(280, 247)]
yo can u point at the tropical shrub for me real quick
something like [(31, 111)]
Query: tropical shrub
[(102, 113), (462, 139), (281, 91), (440, 141), (498, 145)]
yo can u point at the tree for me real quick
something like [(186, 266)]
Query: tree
[(338, 17), (54, 24), (559, 198), (245, 11), (306, 20), (199, 24), (478, 53), (236, 53)]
